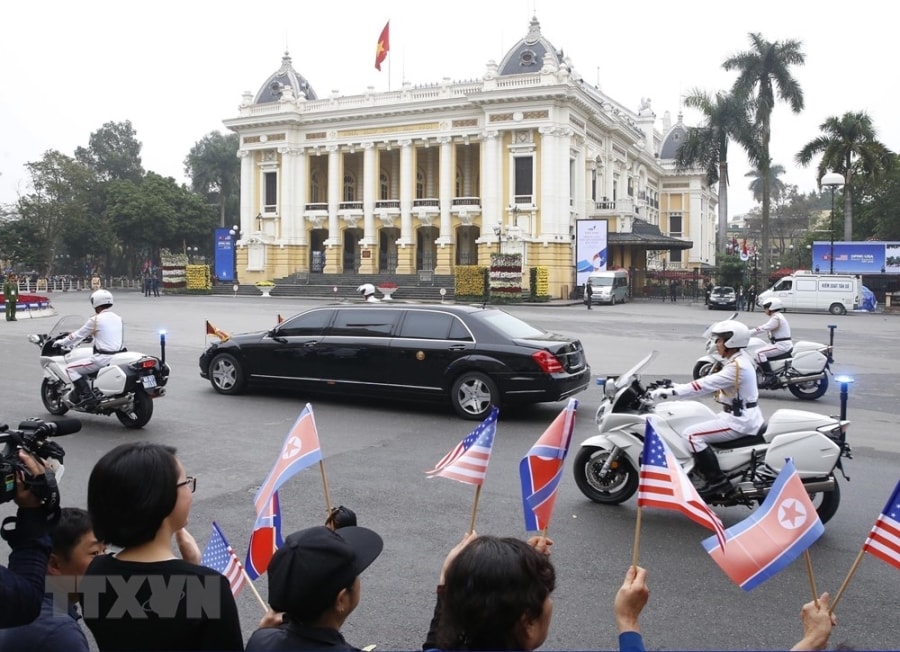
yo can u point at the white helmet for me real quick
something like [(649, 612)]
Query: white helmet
[(366, 289), (773, 304), (735, 334), (101, 298)]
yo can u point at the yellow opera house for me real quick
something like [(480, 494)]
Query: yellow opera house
[(426, 178)]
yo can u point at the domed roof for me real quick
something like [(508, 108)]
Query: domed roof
[(284, 77), (673, 140), (528, 54)]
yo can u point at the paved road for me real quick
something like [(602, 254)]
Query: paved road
[(375, 455)]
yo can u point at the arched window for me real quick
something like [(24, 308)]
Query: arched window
[(420, 184), (349, 188), (385, 186)]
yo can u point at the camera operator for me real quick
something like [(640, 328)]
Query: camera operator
[(22, 584)]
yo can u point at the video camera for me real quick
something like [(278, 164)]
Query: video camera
[(32, 436)]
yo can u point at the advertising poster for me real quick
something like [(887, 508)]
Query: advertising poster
[(223, 255), (590, 248), (857, 257)]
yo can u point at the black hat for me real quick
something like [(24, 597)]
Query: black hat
[(313, 565)]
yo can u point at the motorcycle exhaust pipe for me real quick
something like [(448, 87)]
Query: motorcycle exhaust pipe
[(813, 486), (796, 380)]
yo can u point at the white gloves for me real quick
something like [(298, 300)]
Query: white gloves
[(661, 393)]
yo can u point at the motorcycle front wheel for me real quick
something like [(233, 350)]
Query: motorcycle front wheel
[(810, 391), (703, 368), (51, 396), (617, 486), (140, 413)]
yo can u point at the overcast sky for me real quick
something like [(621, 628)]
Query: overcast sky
[(177, 69)]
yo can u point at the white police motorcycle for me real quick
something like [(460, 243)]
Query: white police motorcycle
[(607, 465), (125, 387), (803, 371)]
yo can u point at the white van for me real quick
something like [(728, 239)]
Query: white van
[(609, 287), (836, 293)]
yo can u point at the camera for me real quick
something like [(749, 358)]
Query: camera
[(32, 436)]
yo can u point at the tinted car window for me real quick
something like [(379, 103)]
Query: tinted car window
[(364, 323), (310, 323), (510, 326), (422, 325)]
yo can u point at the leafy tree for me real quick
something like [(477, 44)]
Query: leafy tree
[(849, 146), (875, 205), (725, 118), (21, 243), (58, 195), (114, 153), (215, 172), (763, 70)]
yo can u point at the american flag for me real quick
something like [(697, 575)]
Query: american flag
[(664, 484), (468, 462), (221, 557), (884, 539)]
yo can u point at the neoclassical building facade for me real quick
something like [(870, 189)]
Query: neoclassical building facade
[(435, 176)]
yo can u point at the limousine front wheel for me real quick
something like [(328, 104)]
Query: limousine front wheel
[(226, 374), (473, 394)]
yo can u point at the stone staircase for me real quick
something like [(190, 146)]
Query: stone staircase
[(410, 286)]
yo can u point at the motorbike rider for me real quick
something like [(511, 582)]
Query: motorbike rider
[(108, 333), (779, 331), (368, 292), (735, 388)]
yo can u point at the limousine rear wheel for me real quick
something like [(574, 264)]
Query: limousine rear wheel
[(473, 394), (226, 374)]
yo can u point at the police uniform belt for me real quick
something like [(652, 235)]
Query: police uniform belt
[(102, 352), (781, 339), (728, 408)]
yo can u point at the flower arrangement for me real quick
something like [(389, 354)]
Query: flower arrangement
[(470, 282), (506, 278), (265, 284), (388, 285), (197, 277)]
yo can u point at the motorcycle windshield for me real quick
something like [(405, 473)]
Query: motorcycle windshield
[(626, 379), (66, 324)]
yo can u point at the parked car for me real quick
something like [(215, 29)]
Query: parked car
[(723, 296), (473, 356)]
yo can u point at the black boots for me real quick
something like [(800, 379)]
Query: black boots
[(769, 379), (84, 392), (708, 465)]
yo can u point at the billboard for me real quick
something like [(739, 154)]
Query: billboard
[(591, 238), (857, 257), (223, 255)]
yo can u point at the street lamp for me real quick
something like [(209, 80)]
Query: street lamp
[(809, 253), (235, 232), (832, 180), (791, 259), (498, 231)]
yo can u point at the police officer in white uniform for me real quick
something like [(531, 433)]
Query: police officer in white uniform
[(108, 333), (735, 388), (779, 331)]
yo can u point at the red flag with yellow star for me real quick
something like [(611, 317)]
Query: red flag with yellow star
[(384, 45)]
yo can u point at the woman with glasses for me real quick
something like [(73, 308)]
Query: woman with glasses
[(144, 597)]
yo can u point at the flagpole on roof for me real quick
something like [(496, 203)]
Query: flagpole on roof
[(840, 592), (812, 580), (474, 508)]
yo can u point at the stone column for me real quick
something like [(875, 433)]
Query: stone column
[(300, 182), (287, 209), (406, 251), (334, 253), (370, 185), (443, 264), (247, 190), (492, 207)]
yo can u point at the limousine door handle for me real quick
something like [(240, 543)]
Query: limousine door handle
[(310, 344), (456, 347)]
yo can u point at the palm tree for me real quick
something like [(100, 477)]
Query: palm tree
[(725, 118), (763, 70), (777, 187), (848, 146)]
